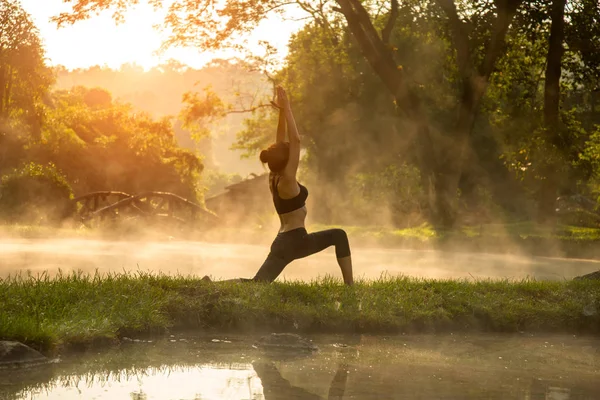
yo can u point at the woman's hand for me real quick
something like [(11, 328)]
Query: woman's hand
[(282, 99)]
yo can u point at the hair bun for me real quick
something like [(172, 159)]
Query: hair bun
[(264, 156)]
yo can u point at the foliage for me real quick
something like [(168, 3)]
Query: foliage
[(95, 142), (392, 197), (35, 193), (160, 90), (24, 76), (104, 145), (215, 181), (201, 109), (457, 90), (591, 153)]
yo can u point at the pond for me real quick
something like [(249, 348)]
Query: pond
[(449, 366)]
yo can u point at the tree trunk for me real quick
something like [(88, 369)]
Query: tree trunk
[(553, 64), (466, 169), (435, 182), (550, 185), (2, 89), (491, 173), (8, 91)]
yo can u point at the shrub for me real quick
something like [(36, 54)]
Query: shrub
[(35, 194)]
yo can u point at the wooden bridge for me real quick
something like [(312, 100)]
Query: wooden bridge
[(235, 204), (97, 208)]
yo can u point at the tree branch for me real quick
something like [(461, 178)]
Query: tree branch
[(473, 87), (248, 110), (506, 11), (364, 19), (389, 26), (376, 52), (378, 55), (366, 45), (281, 5), (459, 37)]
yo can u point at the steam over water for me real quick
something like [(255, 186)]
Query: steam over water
[(224, 261)]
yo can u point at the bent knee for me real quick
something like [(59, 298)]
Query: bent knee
[(342, 246), (340, 235)]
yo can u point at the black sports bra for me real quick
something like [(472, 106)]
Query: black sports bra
[(284, 206)]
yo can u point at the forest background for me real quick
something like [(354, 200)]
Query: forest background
[(420, 112)]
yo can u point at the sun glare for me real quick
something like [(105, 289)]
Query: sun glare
[(98, 41)]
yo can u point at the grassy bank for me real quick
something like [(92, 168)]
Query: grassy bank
[(79, 310)]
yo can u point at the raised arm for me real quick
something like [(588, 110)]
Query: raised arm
[(292, 165), (281, 126)]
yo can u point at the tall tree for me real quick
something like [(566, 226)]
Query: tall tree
[(552, 123), (24, 78)]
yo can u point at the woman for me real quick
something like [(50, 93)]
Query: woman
[(289, 196)]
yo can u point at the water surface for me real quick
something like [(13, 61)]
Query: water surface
[(346, 367)]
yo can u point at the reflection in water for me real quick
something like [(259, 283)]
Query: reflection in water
[(139, 396), (367, 367), (277, 388), (175, 382)]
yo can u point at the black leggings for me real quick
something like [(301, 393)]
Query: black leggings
[(297, 243)]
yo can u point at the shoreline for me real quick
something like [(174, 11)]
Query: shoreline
[(75, 311)]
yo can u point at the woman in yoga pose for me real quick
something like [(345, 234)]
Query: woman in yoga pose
[(289, 196)]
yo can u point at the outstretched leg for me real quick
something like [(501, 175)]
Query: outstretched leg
[(271, 268)]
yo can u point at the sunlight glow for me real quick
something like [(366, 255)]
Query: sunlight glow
[(98, 41), (202, 382)]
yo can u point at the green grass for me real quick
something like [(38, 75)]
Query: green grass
[(76, 309)]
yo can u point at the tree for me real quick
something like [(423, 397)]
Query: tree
[(441, 157), (557, 119), (552, 123), (104, 145), (24, 78)]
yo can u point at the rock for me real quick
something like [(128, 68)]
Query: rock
[(340, 345), (18, 354), (220, 341), (593, 275), (285, 341)]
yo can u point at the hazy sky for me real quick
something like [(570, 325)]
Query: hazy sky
[(99, 41)]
